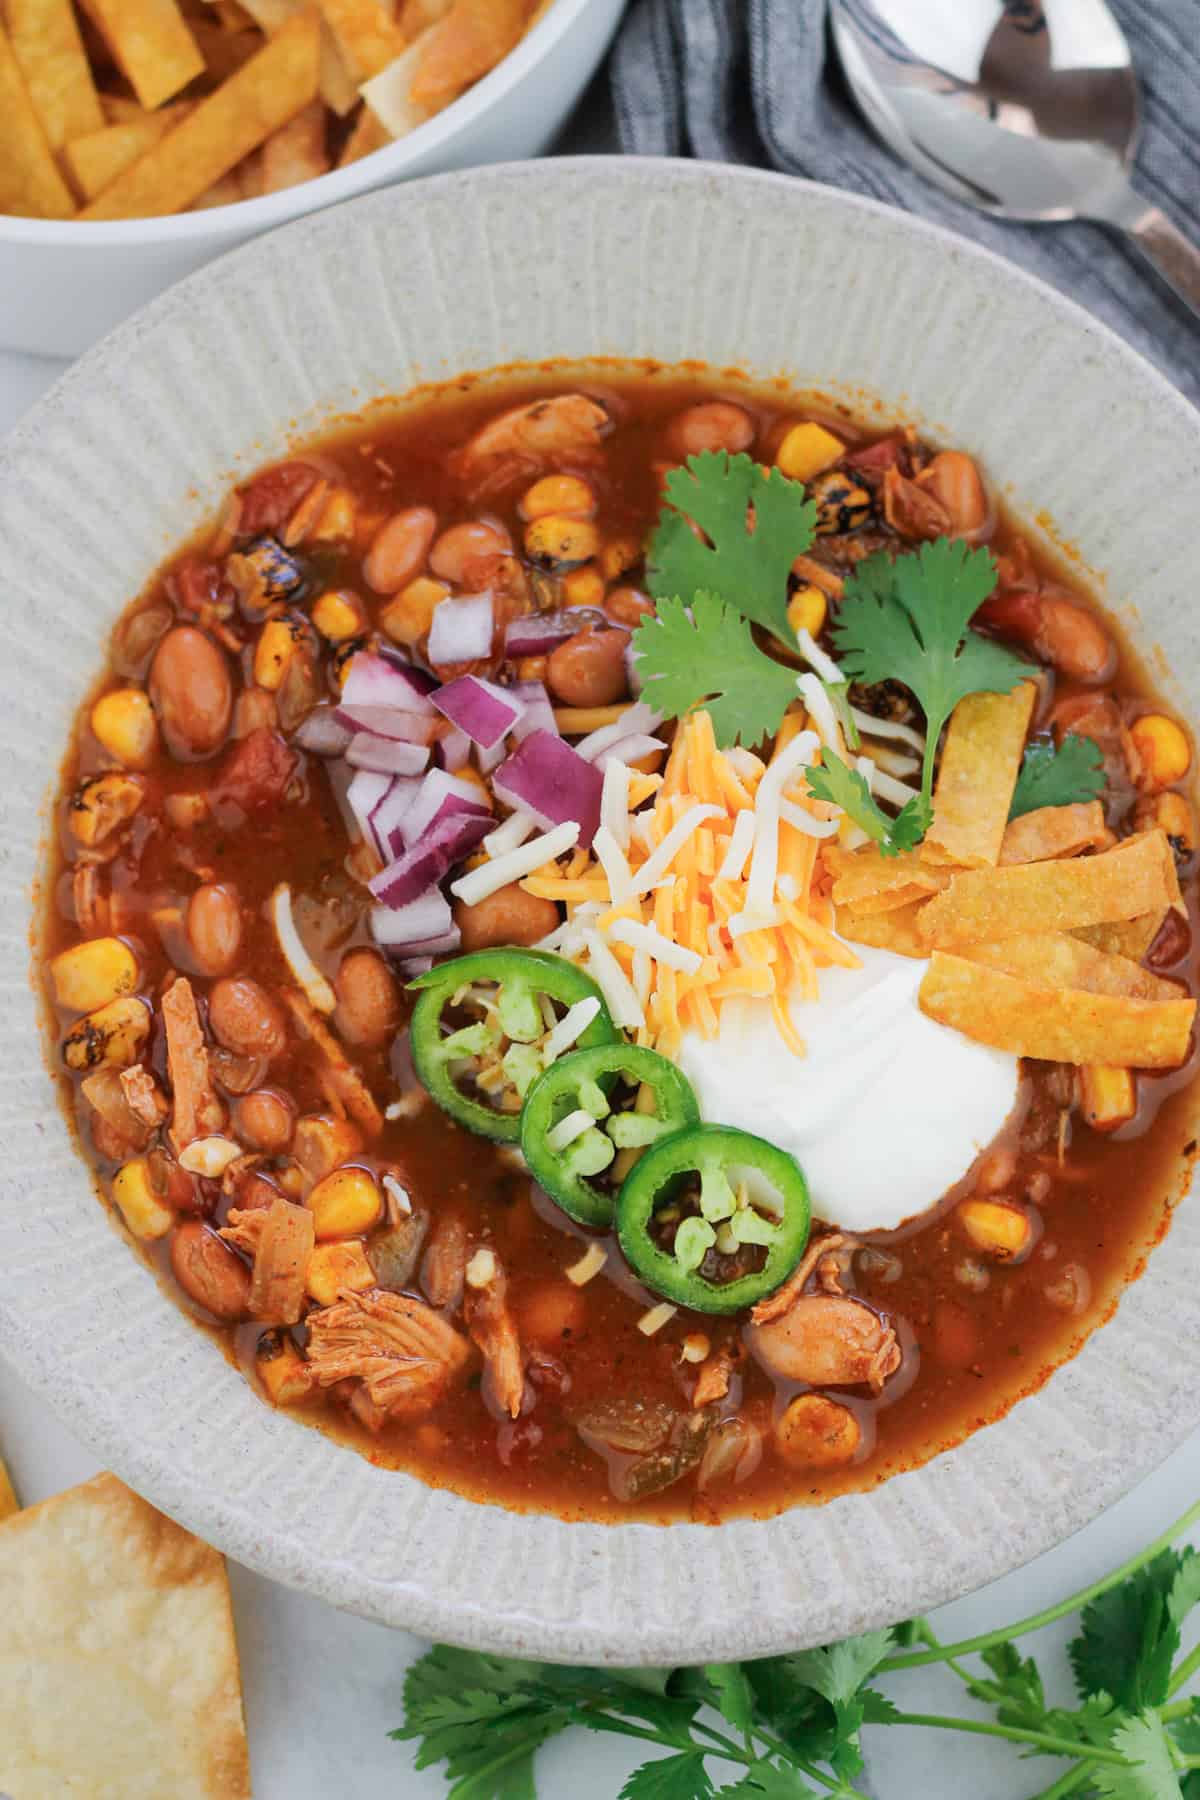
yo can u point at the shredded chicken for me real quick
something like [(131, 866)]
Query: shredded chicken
[(404, 1353), (344, 1081), (539, 432), (444, 1268), (776, 1304), (197, 1107), (712, 1383), (141, 1093), (491, 1324), (105, 1091), (913, 511), (280, 1238)]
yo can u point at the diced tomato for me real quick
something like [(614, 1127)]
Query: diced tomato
[(883, 455), (257, 771)]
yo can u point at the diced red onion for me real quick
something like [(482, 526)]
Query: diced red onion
[(491, 759), (434, 794), (461, 630), (385, 681), (390, 722), (537, 712), (385, 755), (322, 732), (545, 777), (538, 633), (419, 680), (430, 858), (387, 816), (367, 790), (636, 718), (402, 927), (422, 963), (454, 750), (484, 711)]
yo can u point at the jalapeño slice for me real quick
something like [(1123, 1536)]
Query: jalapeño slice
[(570, 1132), (709, 1199), (479, 1031)]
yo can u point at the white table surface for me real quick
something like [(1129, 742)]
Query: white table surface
[(323, 1689)]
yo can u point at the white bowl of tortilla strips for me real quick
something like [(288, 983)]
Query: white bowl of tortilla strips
[(911, 1014)]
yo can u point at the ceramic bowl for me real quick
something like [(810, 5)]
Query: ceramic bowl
[(133, 448), (62, 286)]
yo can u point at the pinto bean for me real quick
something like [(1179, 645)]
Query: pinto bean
[(264, 1119), (399, 549), (368, 999), (253, 710), (192, 693), (209, 1272), (955, 479), (245, 1018), (1074, 641), (214, 928), (461, 544), (589, 668), (509, 916), (628, 605), (712, 425)]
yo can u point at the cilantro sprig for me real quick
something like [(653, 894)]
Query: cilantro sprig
[(832, 779), (1050, 777), (790, 1727), (706, 652)]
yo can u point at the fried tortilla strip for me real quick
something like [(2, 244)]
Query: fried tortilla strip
[(150, 43), (296, 152), (1055, 959), (912, 893), (1066, 1025), (1052, 831), (9, 1504), (896, 930), (365, 33), (94, 162), (1125, 937), (222, 129), (50, 53), (861, 876), (387, 95), (339, 90), (981, 759), (472, 38), (30, 184), (367, 137), (983, 905), (118, 1664)]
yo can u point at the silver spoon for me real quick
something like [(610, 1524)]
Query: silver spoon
[(1028, 109)]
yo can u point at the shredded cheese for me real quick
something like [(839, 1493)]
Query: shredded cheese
[(310, 978), (870, 726), (481, 1270), (817, 659), (570, 1028), (888, 788), (656, 1318), (588, 1266), (657, 865), (490, 877), (653, 942), (820, 711), (515, 829), (619, 992), (614, 802), (567, 1130), (398, 1195), (741, 842), (614, 862)]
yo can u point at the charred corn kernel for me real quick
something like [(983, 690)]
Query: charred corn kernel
[(1173, 814), (618, 556), (474, 779), (337, 520), (273, 654), (281, 1369), (113, 1036), (563, 494), (338, 615), (344, 1203), (557, 542), (1003, 1231), (584, 587), (1108, 1096), (332, 1267), (91, 974), (343, 655), (842, 505), (808, 450), (408, 615), (124, 723), (9, 1504), (1163, 748), (102, 804), (807, 609), (138, 1203)]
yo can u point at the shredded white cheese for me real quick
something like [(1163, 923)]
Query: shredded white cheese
[(588, 1266), (805, 822), (567, 1130), (741, 842), (657, 865), (614, 801), (636, 719), (656, 1318), (508, 836), (888, 788), (614, 862), (295, 955), (738, 924), (490, 877), (619, 992), (642, 975), (870, 726), (744, 762), (570, 1028), (398, 1195), (813, 654), (481, 1270), (209, 1156), (896, 762), (662, 949), (760, 886), (821, 713)]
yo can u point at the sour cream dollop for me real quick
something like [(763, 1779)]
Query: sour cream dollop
[(886, 1111)]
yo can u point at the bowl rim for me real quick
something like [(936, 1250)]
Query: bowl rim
[(267, 210), (282, 1554)]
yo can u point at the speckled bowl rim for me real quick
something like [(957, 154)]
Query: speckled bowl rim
[(478, 1575)]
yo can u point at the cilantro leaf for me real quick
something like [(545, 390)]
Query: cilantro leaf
[(768, 1781), (1016, 1689), (711, 657), (833, 780), (682, 1777), (837, 1675), (726, 1687), (908, 621), (746, 561), (1129, 1639), (1151, 1772), (1050, 777)]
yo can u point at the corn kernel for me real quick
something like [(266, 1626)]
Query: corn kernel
[(618, 556), (808, 450), (336, 523), (584, 587), (408, 615), (563, 494), (137, 1202), (321, 1143), (273, 654), (344, 1203), (1003, 1231), (125, 725), (113, 1036), (1108, 1096), (807, 609), (282, 1370), (1163, 748), (91, 974), (1173, 814), (332, 1267), (338, 615), (101, 805), (557, 542)]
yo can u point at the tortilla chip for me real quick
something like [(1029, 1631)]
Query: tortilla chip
[(910, 893), (296, 152), (863, 876), (264, 94), (118, 109), (1055, 959), (31, 186), (50, 54), (388, 95), (339, 90), (1052, 831), (225, 192), (118, 1666), (895, 930), (983, 905), (367, 137), (981, 759), (1054, 1024), (538, 14), (224, 52), (417, 15), (95, 161), (9, 1504), (1125, 937), (365, 33), (150, 43), (472, 38)]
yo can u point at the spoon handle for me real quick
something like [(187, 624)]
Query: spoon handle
[(1170, 254)]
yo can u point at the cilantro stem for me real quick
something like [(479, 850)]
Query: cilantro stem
[(925, 1630), (1187, 1667), (1041, 1740), (915, 1659), (1070, 1783), (836, 1786), (1178, 1710)]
